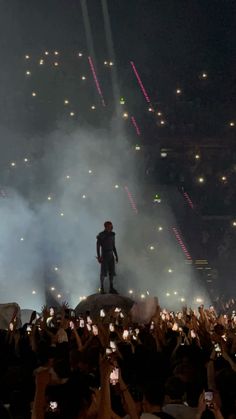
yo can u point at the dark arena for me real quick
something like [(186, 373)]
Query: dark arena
[(118, 209)]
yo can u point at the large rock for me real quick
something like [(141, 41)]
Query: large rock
[(94, 303)]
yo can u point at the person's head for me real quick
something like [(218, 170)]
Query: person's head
[(108, 226), (174, 389), (153, 393)]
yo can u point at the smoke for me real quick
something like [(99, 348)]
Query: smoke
[(84, 172)]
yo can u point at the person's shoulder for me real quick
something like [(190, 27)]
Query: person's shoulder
[(101, 234)]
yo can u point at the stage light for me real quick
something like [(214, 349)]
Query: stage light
[(49, 198), (13, 164), (83, 78), (204, 75), (199, 300), (55, 268), (182, 300), (56, 53), (41, 62), (90, 172), (111, 63), (157, 199), (28, 73), (159, 113), (201, 180), (197, 157), (56, 64), (46, 53), (62, 214), (223, 178), (142, 296), (80, 54), (26, 160), (125, 115), (234, 223), (232, 123), (170, 270), (33, 292), (148, 293), (58, 295), (151, 247), (175, 293), (105, 62), (22, 239), (167, 294), (137, 147), (150, 109), (163, 154), (116, 186), (52, 288), (67, 176), (83, 196), (162, 122), (34, 94), (93, 107), (27, 57), (122, 101), (160, 228), (66, 101), (178, 91), (131, 291), (72, 114)]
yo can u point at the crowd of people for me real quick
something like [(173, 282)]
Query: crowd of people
[(178, 365)]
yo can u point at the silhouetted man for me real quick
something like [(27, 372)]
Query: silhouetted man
[(106, 250)]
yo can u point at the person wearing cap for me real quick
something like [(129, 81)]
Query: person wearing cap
[(107, 255)]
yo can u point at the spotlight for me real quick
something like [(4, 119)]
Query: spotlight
[(167, 294), (93, 107), (49, 198), (223, 178), (137, 147), (55, 268), (182, 300), (83, 196), (56, 53), (204, 75), (22, 239), (131, 291), (41, 62), (26, 160), (116, 186), (90, 172), (83, 78), (28, 73), (13, 164), (125, 115), (72, 114), (162, 122), (142, 296), (62, 214), (150, 109), (56, 64), (80, 54), (66, 101), (27, 57), (234, 223), (199, 300), (175, 293), (67, 176), (151, 247), (163, 154), (197, 157), (105, 62), (34, 94), (159, 113), (46, 53), (58, 295), (170, 271), (201, 180), (111, 63), (52, 288), (178, 91), (160, 228), (232, 124), (33, 292)]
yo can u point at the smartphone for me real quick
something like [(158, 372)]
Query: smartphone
[(114, 376), (217, 349), (108, 351), (29, 328), (102, 313), (193, 334), (89, 320), (89, 327), (72, 326), (125, 334), (111, 327), (209, 398), (81, 323), (95, 329), (152, 326), (112, 346), (121, 315), (117, 310)]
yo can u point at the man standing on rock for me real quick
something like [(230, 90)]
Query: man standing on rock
[(106, 250)]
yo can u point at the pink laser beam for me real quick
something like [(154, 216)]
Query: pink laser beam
[(96, 80), (134, 122), (131, 199), (140, 82), (181, 243), (188, 199)]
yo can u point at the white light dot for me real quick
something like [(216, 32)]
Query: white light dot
[(234, 223), (201, 180), (26, 160), (33, 292), (163, 154), (41, 62), (232, 123), (142, 295), (178, 91), (58, 295), (131, 291), (150, 109), (83, 196), (28, 73), (204, 75), (72, 114), (22, 239), (62, 214), (125, 115), (90, 171), (137, 147), (13, 164), (52, 288), (33, 94), (49, 198), (151, 247), (46, 53), (199, 300), (111, 63), (83, 78), (167, 294), (27, 57), (182, 299), (170, 270), (224, 178), (55, 268), (116, 186), (56, 64), (80, 54), (93, 107), (159, 113), (175, 293), (160, 228), (66, 101), (105, 62), (56, 52), (197, 157), (162, 122)]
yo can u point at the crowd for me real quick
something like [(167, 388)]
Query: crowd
[(178, 365)]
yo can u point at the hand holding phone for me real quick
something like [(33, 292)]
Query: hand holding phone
[(114, 376)]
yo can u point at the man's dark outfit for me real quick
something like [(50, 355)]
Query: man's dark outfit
[(106, 241)]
